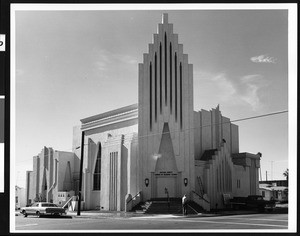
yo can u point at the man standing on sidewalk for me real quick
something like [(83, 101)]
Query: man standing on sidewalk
[(184, 205)]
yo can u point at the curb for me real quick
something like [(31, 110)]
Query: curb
[(102, 215)]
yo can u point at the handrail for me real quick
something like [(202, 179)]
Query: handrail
[(192, 208), (134, 197), (201, 197), (68, 201)]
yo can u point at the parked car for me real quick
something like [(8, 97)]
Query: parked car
[(252, 202), (42, 208)]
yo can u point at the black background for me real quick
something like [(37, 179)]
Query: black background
[(5, 88)]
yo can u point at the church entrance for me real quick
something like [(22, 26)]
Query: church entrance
[(166, 184), (166, 171)]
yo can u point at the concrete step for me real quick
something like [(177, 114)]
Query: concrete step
[(159, 206)]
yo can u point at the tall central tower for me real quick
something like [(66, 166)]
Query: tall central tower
[(166, 121)]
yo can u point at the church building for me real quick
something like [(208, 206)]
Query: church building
[(158, 148), (161, 147)]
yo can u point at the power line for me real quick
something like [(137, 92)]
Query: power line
[(134, 139), (115, 140)]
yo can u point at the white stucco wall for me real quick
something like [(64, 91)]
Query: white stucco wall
[(241, 174), (110, 137)]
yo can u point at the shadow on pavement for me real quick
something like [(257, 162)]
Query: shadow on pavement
[(47, 216), (57, 217)]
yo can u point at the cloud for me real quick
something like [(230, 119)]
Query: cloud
[(237, 91), (103, 60), (106, 59), (263, 59), (250, 88)]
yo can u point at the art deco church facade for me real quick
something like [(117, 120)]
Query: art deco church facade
[(161, 147)]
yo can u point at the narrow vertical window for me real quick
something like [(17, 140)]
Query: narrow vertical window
[(171, 77), (97, 171), (175, 86), (160, 77), (166, 70), (155, 74), (180, 95), (217, 179), (150, 79)]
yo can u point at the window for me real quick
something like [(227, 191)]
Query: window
[(49, 205), (238, 183), (160, 77), (155, 78), (150, 76), (180, 69), (97, 171), (171, 77), (166, 70), (175, 86)]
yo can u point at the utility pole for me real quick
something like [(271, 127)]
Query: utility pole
[(80, 174), (272, 170), (266, 175)]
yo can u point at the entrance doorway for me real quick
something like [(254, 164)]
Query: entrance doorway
[(168, 183)]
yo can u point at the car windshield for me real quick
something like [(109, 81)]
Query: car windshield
[(48, 205)]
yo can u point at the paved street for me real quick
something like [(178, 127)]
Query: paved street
[(151, 222)]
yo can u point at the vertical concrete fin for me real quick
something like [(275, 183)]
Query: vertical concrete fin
[(165, 18)]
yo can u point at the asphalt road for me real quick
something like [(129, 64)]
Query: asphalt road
[(158, 222)]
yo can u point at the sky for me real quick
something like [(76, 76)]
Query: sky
[(70, 65)]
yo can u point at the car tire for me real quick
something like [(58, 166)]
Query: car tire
[(24, 213), (38, 214)]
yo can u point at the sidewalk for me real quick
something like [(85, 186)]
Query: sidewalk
[(101, 214), (104, 214)]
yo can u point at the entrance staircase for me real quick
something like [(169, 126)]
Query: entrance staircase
[(163, 206)]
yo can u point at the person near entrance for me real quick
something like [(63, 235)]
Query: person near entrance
[(184, 205)]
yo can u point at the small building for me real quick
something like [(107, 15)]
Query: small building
[(54, 178), (284, 182), (20, 197), (271, 191)]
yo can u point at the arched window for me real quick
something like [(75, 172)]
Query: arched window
[(97, 171)]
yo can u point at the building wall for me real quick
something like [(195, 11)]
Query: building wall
[(30, 188), (210, 129), (48, 176), (246, 174), (235, 138), (107, 131), (241, 184), (20, 194), (218, 176)]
